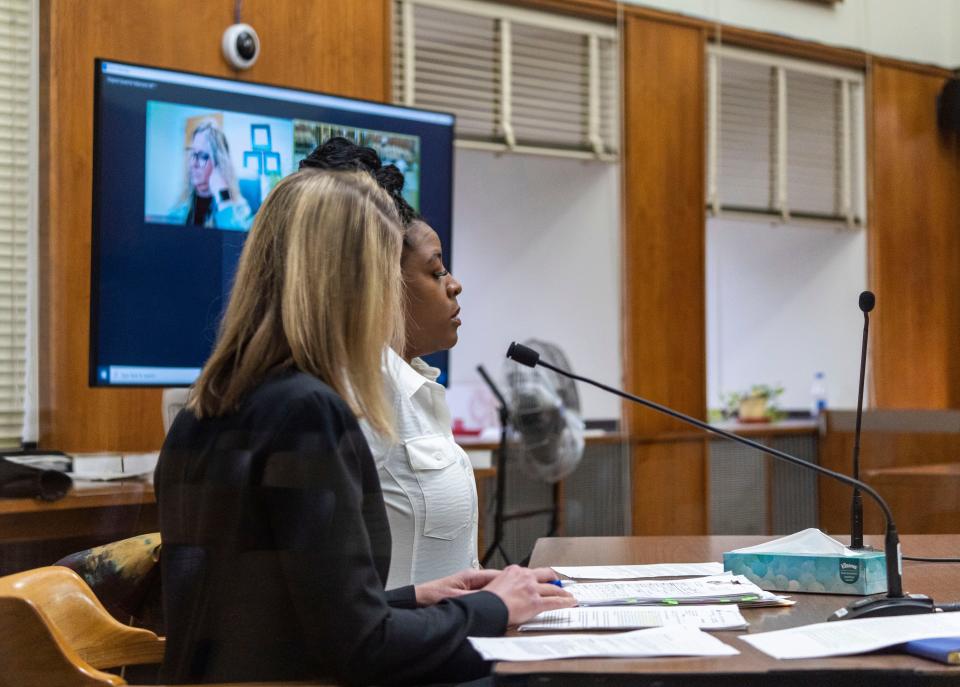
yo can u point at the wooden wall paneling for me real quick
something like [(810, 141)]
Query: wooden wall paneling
[(597, 10), (326, 46), (924, 499), (669, 482), (879, 451), (897, 448), (664, 241), (791, 47), (664, 344), (914, 237)]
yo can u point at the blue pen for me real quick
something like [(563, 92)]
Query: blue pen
[(560, 583)]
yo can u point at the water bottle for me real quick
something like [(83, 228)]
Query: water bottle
[(818, 395)]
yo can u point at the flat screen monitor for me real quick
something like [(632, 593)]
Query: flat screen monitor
[(171, 208)]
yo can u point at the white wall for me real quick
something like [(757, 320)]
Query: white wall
[(782, 304), (536, 245), (917, 30)]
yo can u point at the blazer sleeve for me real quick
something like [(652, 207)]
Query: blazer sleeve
[(319, 486), (402, 597)]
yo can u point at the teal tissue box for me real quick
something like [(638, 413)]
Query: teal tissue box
[(861, 575)]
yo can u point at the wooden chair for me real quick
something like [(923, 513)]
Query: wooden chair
[(77, 617), (54, 631), (33, 652)]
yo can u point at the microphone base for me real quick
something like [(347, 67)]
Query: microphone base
[(880, 606)]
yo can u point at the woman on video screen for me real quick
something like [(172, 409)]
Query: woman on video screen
[(211, 196)]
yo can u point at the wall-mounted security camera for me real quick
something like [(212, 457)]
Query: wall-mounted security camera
[(241, 46)]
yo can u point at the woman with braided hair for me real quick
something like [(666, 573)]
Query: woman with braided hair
[(427, 479)]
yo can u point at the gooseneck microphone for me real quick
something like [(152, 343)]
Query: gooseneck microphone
[(894, 603), (867, 303)]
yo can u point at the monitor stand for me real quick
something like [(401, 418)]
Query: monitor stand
[(174, 399)]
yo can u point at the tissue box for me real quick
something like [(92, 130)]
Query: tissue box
[(861, 575)]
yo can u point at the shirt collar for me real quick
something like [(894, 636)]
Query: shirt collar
[(409, 377)]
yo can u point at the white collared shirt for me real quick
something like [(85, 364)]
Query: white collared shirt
[(426, 478)]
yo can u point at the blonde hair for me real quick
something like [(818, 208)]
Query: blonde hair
[(220, 150), (318, 287)]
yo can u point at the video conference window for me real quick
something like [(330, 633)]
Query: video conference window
[(227, 162), (182, 163)]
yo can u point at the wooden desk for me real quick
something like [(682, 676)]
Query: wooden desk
[(113, 507), (941, 581), (35, 533)]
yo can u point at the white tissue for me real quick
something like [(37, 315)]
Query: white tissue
[(810, 541)]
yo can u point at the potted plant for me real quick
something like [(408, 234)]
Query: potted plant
[(759, 404)]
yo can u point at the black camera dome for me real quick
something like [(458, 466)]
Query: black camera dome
[(246, 46)]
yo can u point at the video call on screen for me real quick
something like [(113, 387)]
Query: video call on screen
[(182, 162)]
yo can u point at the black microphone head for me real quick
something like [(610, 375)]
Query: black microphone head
[(523, 354), (867, 301)]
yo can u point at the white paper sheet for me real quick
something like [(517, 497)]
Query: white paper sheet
[(632, 617), (674, 640), (847, 637), (634, 572), (703, 589)]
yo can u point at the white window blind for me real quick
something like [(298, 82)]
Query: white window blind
[(785, 137), (516, 79), (16, 190)]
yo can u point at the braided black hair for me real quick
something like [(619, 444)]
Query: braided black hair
[(391, 180), (338, 153)]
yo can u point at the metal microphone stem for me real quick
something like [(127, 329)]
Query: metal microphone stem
[(893, 603)]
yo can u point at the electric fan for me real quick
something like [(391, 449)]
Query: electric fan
[(545, 415)]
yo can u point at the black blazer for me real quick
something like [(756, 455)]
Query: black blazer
[(276, 547)]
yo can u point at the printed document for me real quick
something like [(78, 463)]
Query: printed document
[(701, 590), (636, 572), (848, 637), (675, 640), (632, 617)]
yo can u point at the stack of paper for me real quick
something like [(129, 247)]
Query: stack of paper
[(853, 636), (633, 617), (675, 640), (113, 466), (726, 589), (636, 572), (677, 611)]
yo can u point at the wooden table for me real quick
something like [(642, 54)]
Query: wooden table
[(35, 533), (939, 580)]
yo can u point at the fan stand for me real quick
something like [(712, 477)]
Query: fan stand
[(499, 517)]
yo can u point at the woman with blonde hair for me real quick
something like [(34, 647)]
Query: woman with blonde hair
[(211, 193), (276, 540)]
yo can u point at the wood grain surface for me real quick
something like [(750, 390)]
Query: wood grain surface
[(914, 239), (664, 338)]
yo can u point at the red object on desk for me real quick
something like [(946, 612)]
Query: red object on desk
[(460, 430)]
